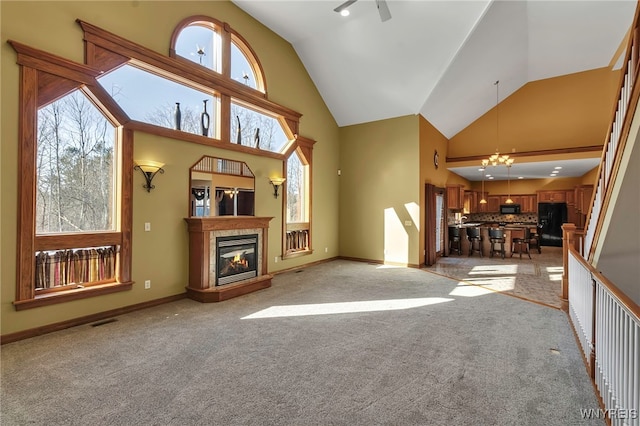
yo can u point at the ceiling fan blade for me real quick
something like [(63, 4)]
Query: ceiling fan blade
[(383, 9), (344, 5)]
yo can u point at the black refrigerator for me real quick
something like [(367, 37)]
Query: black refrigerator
[(551, 216)]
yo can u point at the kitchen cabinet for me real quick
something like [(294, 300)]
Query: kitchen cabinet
[(570, 197), (455, 197), (583, 194), (559, 196), (528, 204), (471, 199), (493, 204), (483, 207)]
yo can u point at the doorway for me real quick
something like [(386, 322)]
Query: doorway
[(435, 218)]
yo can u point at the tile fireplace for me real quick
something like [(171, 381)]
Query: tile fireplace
[(227, 256), (236, 258)]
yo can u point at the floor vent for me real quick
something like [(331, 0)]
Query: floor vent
[(107, 321)]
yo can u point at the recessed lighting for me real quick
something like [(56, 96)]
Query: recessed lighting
[(520, 177), (490, 177), (558, 167), (344, 12), (552, 175)]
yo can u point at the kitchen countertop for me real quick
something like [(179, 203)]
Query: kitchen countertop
[(493, 224)]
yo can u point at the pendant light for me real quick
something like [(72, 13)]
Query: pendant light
[(509, 200), (497, 159), (483, 200)]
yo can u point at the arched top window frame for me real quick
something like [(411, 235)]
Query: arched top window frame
[(228, 35), (106, 51)]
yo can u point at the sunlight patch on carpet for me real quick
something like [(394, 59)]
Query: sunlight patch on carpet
[(467, 290), (345, 307), (495, 283)]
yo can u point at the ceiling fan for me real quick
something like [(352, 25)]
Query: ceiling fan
[(383, 9)]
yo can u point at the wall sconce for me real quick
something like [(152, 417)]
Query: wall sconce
[(276, 182), (149, 169)]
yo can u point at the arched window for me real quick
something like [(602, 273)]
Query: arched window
[(201, 43), (206, 41)]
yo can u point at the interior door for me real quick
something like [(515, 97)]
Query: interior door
[(435, 217)]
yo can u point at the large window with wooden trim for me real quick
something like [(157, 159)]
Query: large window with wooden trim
[(76, 136), (297, 239), (74, 230)]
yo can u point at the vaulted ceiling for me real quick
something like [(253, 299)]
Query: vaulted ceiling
[(441, 58)]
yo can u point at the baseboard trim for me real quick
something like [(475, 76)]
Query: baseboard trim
[(380, 262), (50, 328), (306, 265)]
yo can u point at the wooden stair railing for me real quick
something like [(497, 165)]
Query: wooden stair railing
[(615, 142)]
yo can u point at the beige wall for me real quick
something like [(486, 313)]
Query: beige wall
[(591, 177), (161, 255), (562, 112), (380, 190), (432, 140)]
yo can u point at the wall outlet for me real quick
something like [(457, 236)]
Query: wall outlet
[(276, 259), (147, 284), (147, 226), (326, 249), (407, 223)]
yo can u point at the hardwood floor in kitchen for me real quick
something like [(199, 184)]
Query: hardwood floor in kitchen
[(538, 279)]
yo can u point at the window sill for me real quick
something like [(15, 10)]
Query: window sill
[(297, 253), (70, 295)]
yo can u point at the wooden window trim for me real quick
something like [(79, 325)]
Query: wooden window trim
[(248, 52), (227, 34), (63, 296), (303, 147), (106, 51), (45, 78)]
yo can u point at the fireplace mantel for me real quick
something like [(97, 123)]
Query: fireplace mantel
[(202, 234)]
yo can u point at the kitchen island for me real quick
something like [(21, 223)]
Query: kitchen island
[(484, 232)]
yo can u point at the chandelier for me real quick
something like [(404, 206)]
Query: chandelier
[(497, 159)]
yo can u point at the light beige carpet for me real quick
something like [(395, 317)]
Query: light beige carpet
[(341, 343)]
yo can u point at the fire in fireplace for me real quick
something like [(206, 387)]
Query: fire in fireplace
[(236, 258)]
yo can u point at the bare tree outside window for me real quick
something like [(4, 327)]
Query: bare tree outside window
[(272, 137), (75, 176), (295, 184), (164, 116)]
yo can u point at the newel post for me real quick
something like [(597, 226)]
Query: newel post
[(568, 240)]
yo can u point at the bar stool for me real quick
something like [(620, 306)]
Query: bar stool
[(536, 238), (454, 239), (473, 234), (521, 238), (496, 236)]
